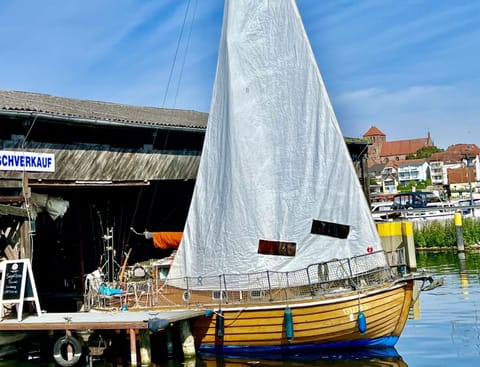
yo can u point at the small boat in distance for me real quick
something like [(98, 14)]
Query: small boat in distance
[(279, 248)]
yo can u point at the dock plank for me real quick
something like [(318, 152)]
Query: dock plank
[(95, 320)]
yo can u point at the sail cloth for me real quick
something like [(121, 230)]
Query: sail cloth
[(274, 159)]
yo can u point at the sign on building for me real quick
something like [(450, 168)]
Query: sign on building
[(26, 161)]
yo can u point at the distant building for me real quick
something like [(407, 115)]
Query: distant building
[(455, 172), (456, 156), (441, 163), (413, 170), (461, 181), (383, 151)]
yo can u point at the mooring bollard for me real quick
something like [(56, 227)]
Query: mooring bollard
[(459, 228)]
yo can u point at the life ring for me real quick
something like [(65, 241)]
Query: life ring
[(60, 351)]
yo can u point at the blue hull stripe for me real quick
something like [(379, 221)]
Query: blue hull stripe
[(378, 343)]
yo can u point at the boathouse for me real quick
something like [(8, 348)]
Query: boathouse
[(114, 171), (116, 168)]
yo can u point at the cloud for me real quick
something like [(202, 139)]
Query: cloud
[(412, 112)]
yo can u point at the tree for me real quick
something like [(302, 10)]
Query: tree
[(424, 152)]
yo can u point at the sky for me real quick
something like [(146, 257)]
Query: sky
[(408, 67)]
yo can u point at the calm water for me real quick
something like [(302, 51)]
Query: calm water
[(444, 328)]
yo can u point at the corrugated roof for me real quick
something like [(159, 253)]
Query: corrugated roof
[(15, 101)]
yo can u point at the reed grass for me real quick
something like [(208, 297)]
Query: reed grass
[(444, 234)]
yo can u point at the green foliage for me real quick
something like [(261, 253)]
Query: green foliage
[(418, 186), (471, 231), (424, 152), (402, 188), (421, 185), (444, 234)]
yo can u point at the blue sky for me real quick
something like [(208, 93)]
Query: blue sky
[(408, 67)]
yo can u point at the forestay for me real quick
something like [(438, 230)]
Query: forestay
[(274, 166)]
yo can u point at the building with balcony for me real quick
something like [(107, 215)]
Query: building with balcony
[(413, 170)]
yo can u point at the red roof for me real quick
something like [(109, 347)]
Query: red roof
[(402, 147), (472, 149), (373, 131), (446, 157), (459, 175)]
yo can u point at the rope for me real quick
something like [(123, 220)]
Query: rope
[(155, 134), (186, 52), (24, 194)]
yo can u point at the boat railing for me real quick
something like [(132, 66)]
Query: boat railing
[(320, 279)]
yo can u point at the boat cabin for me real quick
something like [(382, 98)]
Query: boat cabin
[(416, 199)]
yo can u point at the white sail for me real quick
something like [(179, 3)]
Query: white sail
[(274, 159)]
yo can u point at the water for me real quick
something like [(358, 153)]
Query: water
[(446, 327), (443, 329)]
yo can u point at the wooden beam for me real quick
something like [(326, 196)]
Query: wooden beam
[(11, 199), (13, 211)]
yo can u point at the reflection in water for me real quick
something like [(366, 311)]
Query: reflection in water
[(372, 358), (463, 272), (447, 331)]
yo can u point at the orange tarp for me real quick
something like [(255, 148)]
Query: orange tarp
[(166, 240)]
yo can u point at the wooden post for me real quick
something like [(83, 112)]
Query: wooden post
[(133, 348), (68, 332), (186, 337), (25, 239), (145, 349)]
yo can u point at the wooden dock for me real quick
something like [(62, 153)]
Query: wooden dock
[(95, 320), (133, 322)]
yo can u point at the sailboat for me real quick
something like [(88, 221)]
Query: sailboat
[(279, 247)]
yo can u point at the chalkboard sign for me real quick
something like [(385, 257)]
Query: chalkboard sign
[(18, 285)]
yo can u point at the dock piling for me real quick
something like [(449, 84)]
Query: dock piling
[(186, 337), (145, 348), (133, 348), (459, 229)]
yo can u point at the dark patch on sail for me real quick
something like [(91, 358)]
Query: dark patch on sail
[(281, 248), (330, 229)]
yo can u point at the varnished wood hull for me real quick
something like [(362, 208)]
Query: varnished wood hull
[(323, 323)]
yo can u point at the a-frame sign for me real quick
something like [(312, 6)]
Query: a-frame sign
[(18, 286)]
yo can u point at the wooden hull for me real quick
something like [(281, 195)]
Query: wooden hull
[(323, 323)]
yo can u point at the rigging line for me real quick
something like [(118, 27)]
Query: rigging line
[(186, 52), (137, 204), (30, 128), (24, 181), (173, 65), (163, 105)]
